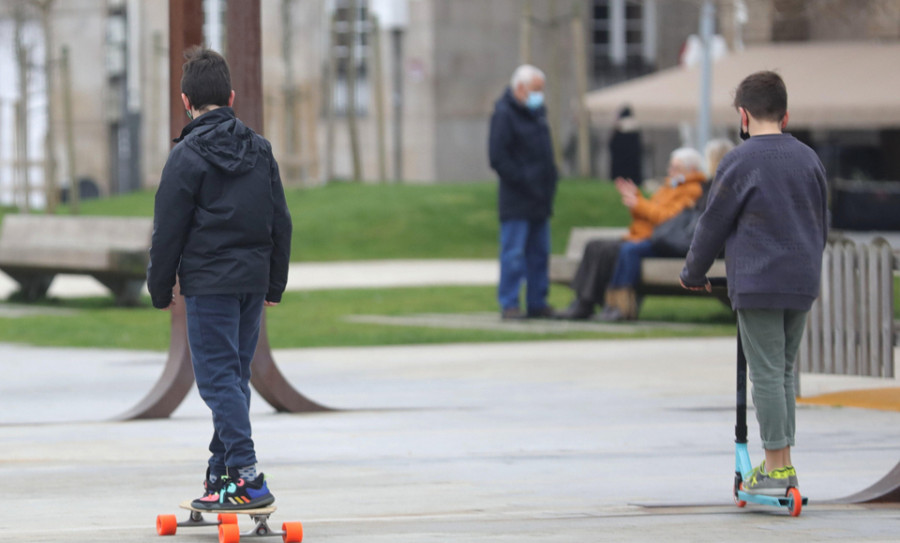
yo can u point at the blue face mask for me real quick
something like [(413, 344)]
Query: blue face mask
[(535, 100)]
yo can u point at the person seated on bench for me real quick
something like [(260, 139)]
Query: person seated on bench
[(621, 299), (682, 188)]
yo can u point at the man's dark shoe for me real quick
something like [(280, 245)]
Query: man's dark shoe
[(238, 494), (546, 312), (512, 314), (610, 314), (577, 310)]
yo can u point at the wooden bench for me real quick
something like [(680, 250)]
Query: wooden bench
[(114, 250), (659, 276)]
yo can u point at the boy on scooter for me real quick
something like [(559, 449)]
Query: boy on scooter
[(768, 208)]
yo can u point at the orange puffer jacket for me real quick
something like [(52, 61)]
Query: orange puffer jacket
[(665, 203)]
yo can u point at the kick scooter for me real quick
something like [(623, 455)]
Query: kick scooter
[(792, 499)]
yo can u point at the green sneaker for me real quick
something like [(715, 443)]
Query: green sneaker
[(792, 477), (755, 471), (775, 483)]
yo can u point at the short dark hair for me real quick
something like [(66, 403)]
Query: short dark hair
[(763, 95), (205, 79)]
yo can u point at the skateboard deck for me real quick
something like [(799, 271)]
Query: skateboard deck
[(227, 521), (186, 504)]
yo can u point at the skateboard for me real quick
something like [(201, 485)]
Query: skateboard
[(227, 521)]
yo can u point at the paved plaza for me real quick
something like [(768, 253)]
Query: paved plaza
[(555, 441)]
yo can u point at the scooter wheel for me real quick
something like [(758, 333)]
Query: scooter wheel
[(795, 502), (737, 501)]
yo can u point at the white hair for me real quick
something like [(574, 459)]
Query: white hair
[(688, 157), (715, 150), (524, 74)]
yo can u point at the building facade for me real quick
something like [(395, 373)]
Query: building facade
[(419, 90)]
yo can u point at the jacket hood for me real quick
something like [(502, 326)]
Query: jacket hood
[(223, 140)]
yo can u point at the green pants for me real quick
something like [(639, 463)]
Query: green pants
[(770, 339)]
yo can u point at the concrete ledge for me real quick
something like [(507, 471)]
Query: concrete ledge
[(492, 321)]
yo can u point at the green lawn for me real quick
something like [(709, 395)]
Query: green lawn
[(344, 221), (348, 221), (318, 318)]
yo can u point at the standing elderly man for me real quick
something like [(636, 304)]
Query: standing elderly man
[(521, 153)]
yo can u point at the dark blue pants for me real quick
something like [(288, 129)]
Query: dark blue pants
[(524, 255), (222, 331), (628, 264)]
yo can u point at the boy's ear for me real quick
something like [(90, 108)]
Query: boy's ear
[(745, 117), (231, 99), (185, 101), (784, 120)]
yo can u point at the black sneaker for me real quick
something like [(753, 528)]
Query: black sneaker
[(577, 310), (546, 312), (210, 489), (512, 314), (610, 314), (238, 493)]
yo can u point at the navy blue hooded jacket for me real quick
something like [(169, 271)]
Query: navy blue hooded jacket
[(521, 153), (220, 218)]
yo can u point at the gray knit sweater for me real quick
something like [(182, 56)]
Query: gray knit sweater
[(768, 208)]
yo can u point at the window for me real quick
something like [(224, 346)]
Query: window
[(351, 26), (623, 39)]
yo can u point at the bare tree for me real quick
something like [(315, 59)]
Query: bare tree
[(23, 12), (22, 71), (50, 185)]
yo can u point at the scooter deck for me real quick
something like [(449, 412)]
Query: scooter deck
[(782, 501)]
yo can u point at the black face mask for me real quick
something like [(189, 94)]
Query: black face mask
[(744, 135)]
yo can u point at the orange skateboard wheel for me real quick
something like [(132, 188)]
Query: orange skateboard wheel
[(293, 532), (228, 518), (229, 533), (166, 524)]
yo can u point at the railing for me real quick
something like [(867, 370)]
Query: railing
[(850, 330)]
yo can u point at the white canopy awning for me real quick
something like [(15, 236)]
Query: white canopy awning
[(832, 85)]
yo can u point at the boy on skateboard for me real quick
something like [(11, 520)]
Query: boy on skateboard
[(221, 223), (768, 208)]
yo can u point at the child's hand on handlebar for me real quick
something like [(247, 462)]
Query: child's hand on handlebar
[(707, 287)]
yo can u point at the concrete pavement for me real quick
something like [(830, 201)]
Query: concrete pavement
[(555, 441)]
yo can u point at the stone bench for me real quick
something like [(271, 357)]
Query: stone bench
[(114, 250), (659, 276)]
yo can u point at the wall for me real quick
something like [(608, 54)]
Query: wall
[(76, 24), (309, 25), (152, 42), (475, 54)]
